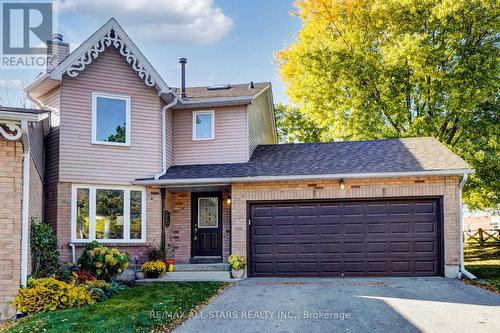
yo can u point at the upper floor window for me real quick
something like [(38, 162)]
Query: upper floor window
[(110, 119), (203, 125)]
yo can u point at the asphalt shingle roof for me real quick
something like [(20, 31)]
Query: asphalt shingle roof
[(350, 157), (235, 90)]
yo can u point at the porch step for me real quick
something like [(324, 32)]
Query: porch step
[(201, 267), (224, 276), (198, 275), (205, 260)]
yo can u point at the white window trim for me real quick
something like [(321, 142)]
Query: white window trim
[(94, 119), (210, 112), (216, 213), (126, 213)]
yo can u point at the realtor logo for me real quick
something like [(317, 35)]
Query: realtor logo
[(26, 28)]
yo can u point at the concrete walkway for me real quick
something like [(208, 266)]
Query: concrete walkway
[(349, 305)]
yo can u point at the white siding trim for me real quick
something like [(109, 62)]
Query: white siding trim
[(125, 98), (92, 210)]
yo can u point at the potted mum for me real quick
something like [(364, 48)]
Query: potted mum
[(170, 264), (153, 269), (237, 264)]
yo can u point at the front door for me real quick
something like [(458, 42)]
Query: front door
[(207, 224)]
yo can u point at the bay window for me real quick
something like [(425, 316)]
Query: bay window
[(108, 214)]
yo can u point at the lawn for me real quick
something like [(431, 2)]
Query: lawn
[(484, 262), (144, 308)]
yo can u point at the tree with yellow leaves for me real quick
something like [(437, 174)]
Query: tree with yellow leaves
[(397, 68)]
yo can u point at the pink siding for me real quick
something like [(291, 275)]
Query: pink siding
[(230, 143), (82, 161)]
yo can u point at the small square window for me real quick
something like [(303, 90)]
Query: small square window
[(203, 125), (110, 119)]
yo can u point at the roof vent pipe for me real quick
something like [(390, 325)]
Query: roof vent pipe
[(183, 62)]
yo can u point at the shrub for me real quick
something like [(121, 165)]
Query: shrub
[(82, 277), (96, 291), (154, 253), (49, 294), (102, 262), (114, 289), (66, 271), (153, 269), (237, 262), (44, 251), (101, 290)]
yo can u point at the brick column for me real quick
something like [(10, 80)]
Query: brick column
[(11, 189)]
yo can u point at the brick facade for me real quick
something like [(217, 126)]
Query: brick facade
[(447, 187), (136, 251), (11, 194), (179, 231)]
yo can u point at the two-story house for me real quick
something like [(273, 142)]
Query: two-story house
[(131, 161)]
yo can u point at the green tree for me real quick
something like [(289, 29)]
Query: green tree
[(294, 126), (366, 69), (119, 136)]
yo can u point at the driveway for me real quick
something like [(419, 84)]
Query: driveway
[(349, 305)]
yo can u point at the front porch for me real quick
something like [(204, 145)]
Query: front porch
[(197, 224), (196, 272)]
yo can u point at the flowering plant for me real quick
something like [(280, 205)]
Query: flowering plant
[(237, 262), (153, 269)]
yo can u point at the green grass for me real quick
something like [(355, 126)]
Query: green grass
[(138, 309), (484, 262)]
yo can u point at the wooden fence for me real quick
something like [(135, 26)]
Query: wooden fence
[(482, 236)]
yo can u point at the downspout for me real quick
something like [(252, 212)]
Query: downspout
[(461, 219), (25, 203), (73, 253), (164, 138)]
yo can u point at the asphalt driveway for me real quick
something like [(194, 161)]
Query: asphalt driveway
[(350, 305)]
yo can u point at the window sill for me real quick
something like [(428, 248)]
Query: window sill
[(110, 144), (209, 139), (114, 244)]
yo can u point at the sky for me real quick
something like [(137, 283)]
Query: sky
[(225, 41)]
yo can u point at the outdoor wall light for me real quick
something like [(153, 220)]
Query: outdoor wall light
[(228, 200), (342, 184)]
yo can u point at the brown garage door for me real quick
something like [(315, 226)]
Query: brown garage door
[(357, 238)]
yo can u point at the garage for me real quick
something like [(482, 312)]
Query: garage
[(396, 237)]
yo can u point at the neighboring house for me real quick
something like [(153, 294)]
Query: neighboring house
[(485, 222), (22, 134), (131, 161)]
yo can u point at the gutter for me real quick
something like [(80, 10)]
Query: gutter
[(461, 222), (23, 116), (214, 102), (25, 203), (164, 138), (226, 180), (36, 82)]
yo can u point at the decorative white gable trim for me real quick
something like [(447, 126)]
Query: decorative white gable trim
[(110, 34), (14, 132), (111, 39)]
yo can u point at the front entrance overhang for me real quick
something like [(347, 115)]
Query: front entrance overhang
[(197, 188)]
